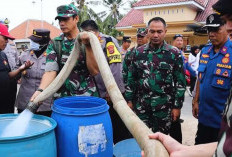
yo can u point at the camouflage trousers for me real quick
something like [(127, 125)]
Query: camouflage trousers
[(158, 121)]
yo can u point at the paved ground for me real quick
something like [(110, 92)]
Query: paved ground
[(189, 126)]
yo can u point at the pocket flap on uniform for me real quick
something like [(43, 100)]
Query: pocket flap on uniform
[(221, 82), (222, 72), (164, 65), (201, 68)]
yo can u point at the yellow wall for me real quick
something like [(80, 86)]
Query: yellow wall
[(171, 14), (198, 40), (177, 18)]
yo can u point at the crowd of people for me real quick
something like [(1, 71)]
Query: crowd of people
[(151, 76)]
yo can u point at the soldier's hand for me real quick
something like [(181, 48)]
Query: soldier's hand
[(195, 108), (84, 39), (130, 104), (175, 114), (35, 95)]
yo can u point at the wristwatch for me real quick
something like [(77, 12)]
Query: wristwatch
[(39, 89)]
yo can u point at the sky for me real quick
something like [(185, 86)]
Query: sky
[(18, 11)]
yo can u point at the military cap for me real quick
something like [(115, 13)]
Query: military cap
[(214, 20), (40, 35), (141, 32), (66, 11), (126, 39), (223, 7), (4, 32)]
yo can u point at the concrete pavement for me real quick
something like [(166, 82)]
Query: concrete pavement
[(189, 126)]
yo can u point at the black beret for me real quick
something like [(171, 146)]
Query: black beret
[(126, 39)]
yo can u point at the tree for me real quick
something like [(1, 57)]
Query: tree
[(113, 17), (132, 2), (86, 12)]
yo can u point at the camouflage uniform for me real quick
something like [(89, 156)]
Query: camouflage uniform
[(80, 81), (129, 55), (156, 84)]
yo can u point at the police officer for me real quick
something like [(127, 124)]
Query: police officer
[(5, 72), (31, 78), (155, 85), (111, 50), (126, 42), (214, 81), (81, 80)]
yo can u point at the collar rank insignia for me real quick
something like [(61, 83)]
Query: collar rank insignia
[(224, 50), (227, 55), (225, 60)]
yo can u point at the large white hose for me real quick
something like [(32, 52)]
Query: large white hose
[(138, 129)]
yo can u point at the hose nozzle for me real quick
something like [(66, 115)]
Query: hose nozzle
[(33, 107)]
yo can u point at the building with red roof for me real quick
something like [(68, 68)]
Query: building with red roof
[(182, 17), (25, 29)]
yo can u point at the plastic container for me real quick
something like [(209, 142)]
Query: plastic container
[(84, 127), (38, 141), (127, 148)]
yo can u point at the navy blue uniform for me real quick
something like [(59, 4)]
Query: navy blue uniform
[(215, 82), (4, 84)]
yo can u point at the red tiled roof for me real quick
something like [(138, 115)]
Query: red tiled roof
[(155, 2), (133, 17), (25, 29), (201, 16), (136, 16)]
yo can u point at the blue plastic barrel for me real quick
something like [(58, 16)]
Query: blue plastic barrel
[(38, 141), (84, 127), (127, 148)]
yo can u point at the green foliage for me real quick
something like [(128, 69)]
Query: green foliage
[(106, 26), (132, 2)]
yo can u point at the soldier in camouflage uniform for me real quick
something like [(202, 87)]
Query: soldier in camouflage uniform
[(223, 147), (155, 84), (141, 40), (80, 81)]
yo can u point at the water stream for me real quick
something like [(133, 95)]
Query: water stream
[(19, 126)]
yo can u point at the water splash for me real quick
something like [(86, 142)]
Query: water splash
[(19, 125)]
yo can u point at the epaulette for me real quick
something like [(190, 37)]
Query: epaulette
[(173, 49)]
